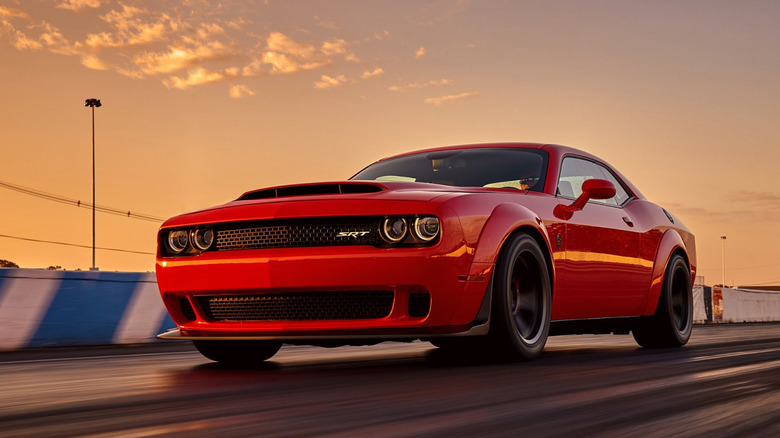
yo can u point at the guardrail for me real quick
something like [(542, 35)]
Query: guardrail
[(41, 308)]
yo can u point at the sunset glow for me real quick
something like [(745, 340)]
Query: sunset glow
[(203, 101)]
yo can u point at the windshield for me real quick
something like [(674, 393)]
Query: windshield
[(522, 169)]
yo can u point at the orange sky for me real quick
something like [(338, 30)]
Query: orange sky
[(204, 102)]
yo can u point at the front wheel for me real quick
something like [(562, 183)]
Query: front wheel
[(522, 297), (672, 322), (238, 352)]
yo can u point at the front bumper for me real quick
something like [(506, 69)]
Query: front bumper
[(445, 272)]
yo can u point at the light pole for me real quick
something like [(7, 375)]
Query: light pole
[(723, 258), (93, 103)]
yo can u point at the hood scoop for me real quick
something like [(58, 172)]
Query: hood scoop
[(311, 189)]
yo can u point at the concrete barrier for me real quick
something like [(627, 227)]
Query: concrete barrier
[(57, 308), (699, 308), (745, 305)]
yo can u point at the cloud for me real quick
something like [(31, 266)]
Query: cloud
[(381, 35), (338, 47), (254, 68), (240, 91), (279, 42), (285, 55), (757, 197), (75, 5), (199, 76), (130, 73), (745, 213), (132, 26), (12, 13), (178, 58), (450, 98), (370, 74), (693, 211), (328, 82), (21, 42), (237, 24), (19, 39), (327, 24), (283, 63), (207, 30), (56, 43), (334, 47), (181, 47), (415, 85), (419, 53), (93, 63)]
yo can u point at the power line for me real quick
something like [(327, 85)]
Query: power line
[(78, 203), (75, 245)]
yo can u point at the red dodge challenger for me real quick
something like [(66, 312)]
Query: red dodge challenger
[(488, 248)]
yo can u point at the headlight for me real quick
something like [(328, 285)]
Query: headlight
[(394, 229), (426, 228), (177, 241), (202, 238)]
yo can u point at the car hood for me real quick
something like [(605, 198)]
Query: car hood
[(340, 192)]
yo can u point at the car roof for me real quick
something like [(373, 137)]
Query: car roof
[(558, 149)]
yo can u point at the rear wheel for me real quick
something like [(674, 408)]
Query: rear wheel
[(522, 296), (672, 322), (238, 352)]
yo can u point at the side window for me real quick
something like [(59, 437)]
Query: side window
[(576, 171)]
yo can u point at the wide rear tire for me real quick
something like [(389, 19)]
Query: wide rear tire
[(672, 322), (522, 298), (245, 353)]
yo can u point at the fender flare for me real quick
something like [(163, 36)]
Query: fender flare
[(504, 220), (670, 243)]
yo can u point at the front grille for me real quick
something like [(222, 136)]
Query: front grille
[(299, 306), (293, 235)]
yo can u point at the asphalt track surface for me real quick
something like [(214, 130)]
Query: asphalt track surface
[(725, 382)]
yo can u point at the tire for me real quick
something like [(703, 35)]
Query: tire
[(672, 322), (522, 298), (238, 352)]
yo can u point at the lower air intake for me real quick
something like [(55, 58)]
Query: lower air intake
[(299, 306), (419, 305), (186, 309)]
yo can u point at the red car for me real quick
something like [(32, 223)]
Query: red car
[(488, 247)]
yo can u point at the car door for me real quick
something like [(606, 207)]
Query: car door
[(600, 274)]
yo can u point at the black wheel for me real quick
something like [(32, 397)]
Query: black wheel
[(238, 352), (672, 322), (522, 296)]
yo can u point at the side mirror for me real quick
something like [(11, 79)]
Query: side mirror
[(598, 189), (591, 189)]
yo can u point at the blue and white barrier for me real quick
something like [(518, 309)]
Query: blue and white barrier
[(41, 308)]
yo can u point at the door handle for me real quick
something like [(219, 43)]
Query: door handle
[(628, 221)]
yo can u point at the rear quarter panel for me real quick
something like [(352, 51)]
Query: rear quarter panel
[(661, 238)]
